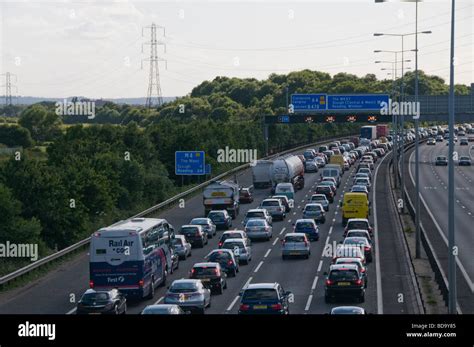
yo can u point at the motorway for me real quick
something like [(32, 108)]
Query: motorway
[(434, 188), (388, 274)]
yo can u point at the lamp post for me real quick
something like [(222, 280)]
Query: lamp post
[(402, 96)]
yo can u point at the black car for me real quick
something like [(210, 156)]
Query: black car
[(264, 298), (464, 142), (195, 235), (441, 161), (211, 276), (326, 190), (226, 260), (221, 219), (102, 302), (344, 280)]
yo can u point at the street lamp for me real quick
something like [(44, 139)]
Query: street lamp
[(402, 90)]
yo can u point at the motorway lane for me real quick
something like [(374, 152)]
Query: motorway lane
[(434, 183), (52, 293)]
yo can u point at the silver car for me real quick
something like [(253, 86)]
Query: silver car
[(207, 225), (274, 207), (189, 294), (258, 213), (241, 248), (181, 246), (295, 244), (320, 199), (258, 229)]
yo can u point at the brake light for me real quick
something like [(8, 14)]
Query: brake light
[(276, 307), (217, 272), (141, 283), (366, 248), (329, 282), (193, 271), (220, 243), (358, 282), (230, 262), (362, 270), (91, 284), (244, 307)]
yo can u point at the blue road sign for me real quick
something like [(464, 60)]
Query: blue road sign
[(283, 119), (356, 101), (305, 102), (190, 163)]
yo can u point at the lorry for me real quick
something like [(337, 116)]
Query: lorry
[(368, 132), (332, 170), (261, 174), (222, 195), (287, 169), (382, 130)]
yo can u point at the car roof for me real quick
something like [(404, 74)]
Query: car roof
[(261, 286), (357, 220), (271, 199), (186, 280), (343, 266), (191, 225), (93, 291), (319, 195), (206, 264), (221, 250), (260, 220), (305, 220), (295, 234), (352, 260), (227, 232), (257, 210), (234, 240), (358, 230), (204, 218)]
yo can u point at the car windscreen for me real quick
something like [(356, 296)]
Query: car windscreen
[(260, 294), (338, 275)]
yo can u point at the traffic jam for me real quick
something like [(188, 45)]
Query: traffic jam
[(338, 202)]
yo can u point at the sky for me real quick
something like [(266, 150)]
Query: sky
[(97, 48)]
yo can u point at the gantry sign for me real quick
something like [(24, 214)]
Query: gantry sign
[(335, 108)]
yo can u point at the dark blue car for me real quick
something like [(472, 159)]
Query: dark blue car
[(308, 227), (265, 298), (226, 260), (221, 219)]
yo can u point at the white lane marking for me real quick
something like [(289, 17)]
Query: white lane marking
[(327, 241), (72, 311), (440, 231), (315, 282), (248, 281), (378, 276), (159, 300), (274, 242), (308, 303), (320, 265), (294, 213), (289, 220), (282, 231), (233, 303), (299, 206), (333, 220), (268, 252), (258, 267), (330, 230)]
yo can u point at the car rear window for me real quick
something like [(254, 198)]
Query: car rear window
[(323, 189), (201, 271), (255, 215), (232, 245), (177, 242), (313, 208), (256, 223), (199, 221), (294, 239), (216, 216), (95, 297), (231, 236), (219, 257), (260, 294), (357, 225), (270, 203), (189, 230), (338, 275), (183, 287)]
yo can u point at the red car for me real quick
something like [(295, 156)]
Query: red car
[(245, 196)]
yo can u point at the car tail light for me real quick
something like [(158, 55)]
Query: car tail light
[(366, 248), (220, 243), (306, 243), (329, 282), (193, 271), (276, 307), (197, 233), (244, 307), (217, 272), (362, 270), (91, 284), (141, 283), (358, 282), (230, 262)]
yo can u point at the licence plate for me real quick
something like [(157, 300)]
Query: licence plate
[(260, 307), (344, 284)]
